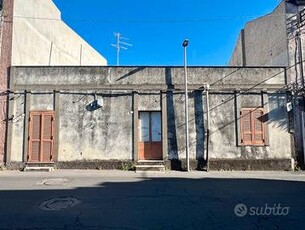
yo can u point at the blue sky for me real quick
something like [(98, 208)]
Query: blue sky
[(157, 28)]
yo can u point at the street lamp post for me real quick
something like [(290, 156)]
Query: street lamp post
[(185, 44)]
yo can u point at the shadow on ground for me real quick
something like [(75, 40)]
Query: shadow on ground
[(156, 203)]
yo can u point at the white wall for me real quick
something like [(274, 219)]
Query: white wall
[(34, 34)]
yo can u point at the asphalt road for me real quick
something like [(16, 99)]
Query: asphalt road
[(94, 200)]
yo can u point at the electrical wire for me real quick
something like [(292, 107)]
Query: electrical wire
[(104, 21)]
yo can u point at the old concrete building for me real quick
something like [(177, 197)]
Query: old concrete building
[(33, 34), (117, 117), (105, 117), (268, 40), (277, 39)]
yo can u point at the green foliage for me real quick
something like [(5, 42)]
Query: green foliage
[(129, 166)]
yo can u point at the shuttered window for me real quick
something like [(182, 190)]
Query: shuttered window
[(41, 131), (252, 126)]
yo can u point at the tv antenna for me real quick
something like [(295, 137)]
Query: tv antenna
[(120, 45)]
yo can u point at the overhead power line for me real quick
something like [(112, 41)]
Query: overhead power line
[(195, 20)]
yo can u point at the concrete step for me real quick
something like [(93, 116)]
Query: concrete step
[(38, 169), (150, 162), (150, 168)]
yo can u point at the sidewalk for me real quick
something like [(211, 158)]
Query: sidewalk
[(287, 175)]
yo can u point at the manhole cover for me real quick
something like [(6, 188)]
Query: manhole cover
[(59, 203), (55, 181)]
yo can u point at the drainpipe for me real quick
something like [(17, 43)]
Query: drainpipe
[(303, 134), (208, 124), (300, 59)]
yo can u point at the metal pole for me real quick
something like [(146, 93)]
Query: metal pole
[(208, 125), (185, 43), (118, 50)]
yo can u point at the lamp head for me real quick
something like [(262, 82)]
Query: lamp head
[(185, 43)]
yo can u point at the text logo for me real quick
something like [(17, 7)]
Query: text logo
[(242, 210)]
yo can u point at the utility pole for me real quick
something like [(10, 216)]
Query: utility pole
[(120, 45), (299, 62)]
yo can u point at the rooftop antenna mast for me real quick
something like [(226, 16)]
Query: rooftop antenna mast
[(120, 45)]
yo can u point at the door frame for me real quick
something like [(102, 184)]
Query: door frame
[(135, 127)]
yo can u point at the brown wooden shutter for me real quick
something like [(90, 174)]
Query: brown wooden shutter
[(258, 126), (47, 137), (35, 127), (246, 127), (252, 127), (41, 136)]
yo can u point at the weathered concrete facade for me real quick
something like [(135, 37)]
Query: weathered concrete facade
[(277, 39), (111, 133), (263, 41), (33, 34)]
